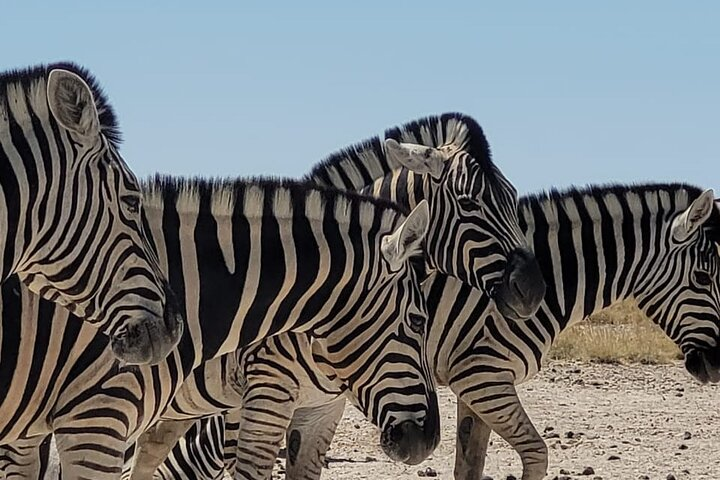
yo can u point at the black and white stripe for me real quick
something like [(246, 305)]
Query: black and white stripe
[(248, 260), (656, 244), (474, 232), (70, 211)]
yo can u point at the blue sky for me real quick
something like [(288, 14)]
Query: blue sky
[(567, 92)]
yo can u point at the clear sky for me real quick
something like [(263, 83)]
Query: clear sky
[(567, 92)]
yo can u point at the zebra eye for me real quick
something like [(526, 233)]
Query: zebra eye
[(703, 278), (417, 323), (468, 203), (132, 203)]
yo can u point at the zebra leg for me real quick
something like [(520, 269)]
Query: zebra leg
[(83, 455), (263, 423), (231, 421), (308, 439), (155, 444), (500, 409), (24, 459), (471, 442)]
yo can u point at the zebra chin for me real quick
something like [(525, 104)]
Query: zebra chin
[(522, 288), (149, 340), (704, 364), (411, 443)]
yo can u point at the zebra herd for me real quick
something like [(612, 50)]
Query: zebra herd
[(182, 328)]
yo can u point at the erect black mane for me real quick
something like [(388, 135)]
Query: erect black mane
[(430, 131), (711, 227), (28, 77), (172, 186)]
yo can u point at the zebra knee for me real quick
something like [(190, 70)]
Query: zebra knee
[(293, 446), (464, 432)]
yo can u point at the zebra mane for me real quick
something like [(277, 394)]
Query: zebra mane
[(32, 79), (676, 191), (359, 165), (254, 197)]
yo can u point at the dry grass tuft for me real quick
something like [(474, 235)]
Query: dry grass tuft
[(618, 334)]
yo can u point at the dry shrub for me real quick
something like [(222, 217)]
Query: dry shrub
[(620, 333)]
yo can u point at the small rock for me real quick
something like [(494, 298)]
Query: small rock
[(687, 436), (670, 476), (510, 477), (428, 472), (564, 472), (486, 477), (643, 477), (683, 447), (548, 429), (552, 435), (613, 457), (370, 459), (588, 471), (569, 434)]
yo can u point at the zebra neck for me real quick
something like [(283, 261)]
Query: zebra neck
[(598, 249), (401, 186)]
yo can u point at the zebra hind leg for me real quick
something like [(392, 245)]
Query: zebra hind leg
[(26, 458), (155, 444), (471, 442), (309, 437), (500, 408)]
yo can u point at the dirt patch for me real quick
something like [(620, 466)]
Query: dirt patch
[(625, 422)]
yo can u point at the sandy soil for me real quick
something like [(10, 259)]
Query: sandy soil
[(626, 422)]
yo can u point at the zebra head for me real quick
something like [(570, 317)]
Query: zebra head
[(682, 292), (474, 233), (378, 355), (88, 250)]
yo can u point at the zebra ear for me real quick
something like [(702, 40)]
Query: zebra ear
[(406, 241), (72, 103), (688, 222), (416, 158)]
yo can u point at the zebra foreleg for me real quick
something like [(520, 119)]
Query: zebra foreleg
[(83, 455), (471, 442), (262, 426), (309, 437), (500, 409), (24, 458), (155, 444)]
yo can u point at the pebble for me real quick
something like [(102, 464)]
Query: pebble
[(613, 457), (670, 476), (510, 477), (687, 436), (564, 472), (643, 477), (683, 447), (428, 472), (588, 471)]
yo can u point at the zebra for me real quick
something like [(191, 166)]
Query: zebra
[(658, 244), (474, 234), (474, 210), (342, 267), (70, 211)]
